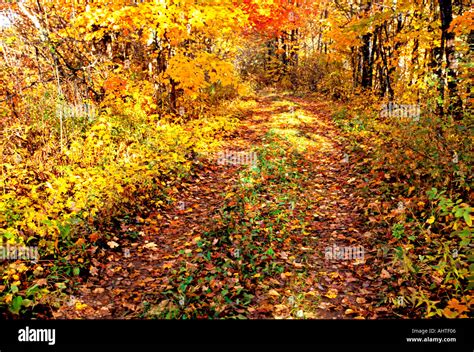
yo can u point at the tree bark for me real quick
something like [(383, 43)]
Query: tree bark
[(448, 49)]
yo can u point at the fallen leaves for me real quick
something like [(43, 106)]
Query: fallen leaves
[(93, 237), (258, 253), (281, 307), (273, 293), (455, 309), (93, 270), (331, 293), (112, 244), (385, 274), (167, 265), (80, 306), (151, 245)]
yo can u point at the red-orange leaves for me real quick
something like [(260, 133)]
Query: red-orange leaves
[(115, 84)]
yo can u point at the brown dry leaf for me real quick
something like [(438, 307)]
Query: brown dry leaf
[(448, 313), (455, 304), (385, 274), (80, 242), (266, 307), (151, 246), (280, 307), (93, 270), (112, 244), (325, 305), (273, 293), (42, 282)]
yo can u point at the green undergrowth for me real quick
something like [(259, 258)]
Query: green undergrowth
[(416, 179)]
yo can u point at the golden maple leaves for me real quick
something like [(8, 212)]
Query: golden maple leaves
[(194, 41)]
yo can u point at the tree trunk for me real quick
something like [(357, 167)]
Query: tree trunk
[(447, 48)]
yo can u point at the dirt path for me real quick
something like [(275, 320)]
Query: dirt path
[(127, 280)]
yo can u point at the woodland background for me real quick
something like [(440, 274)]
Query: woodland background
[(106, 107)]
